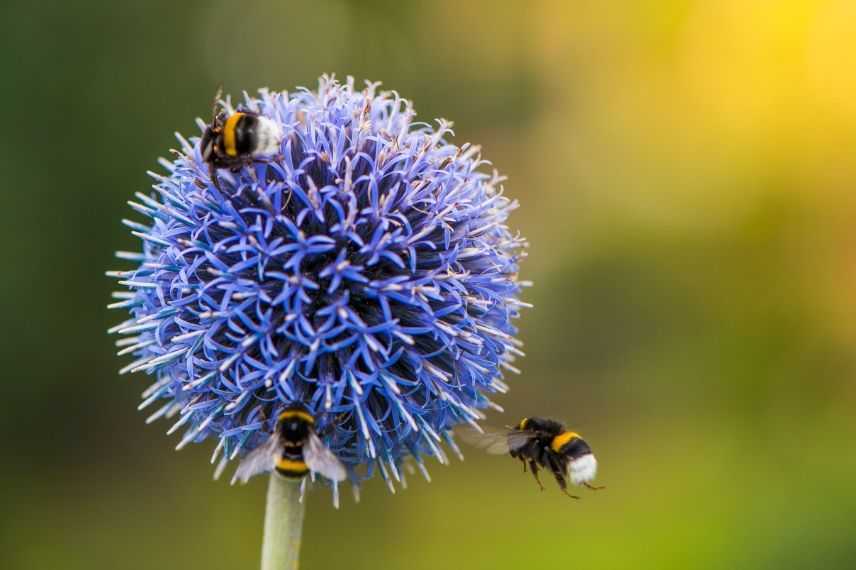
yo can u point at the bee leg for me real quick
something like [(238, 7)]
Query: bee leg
[(523, 461), (251, 169), (212, 174), (565, 491), (594, 487), (563, 485), (560, 478), (534, 468)]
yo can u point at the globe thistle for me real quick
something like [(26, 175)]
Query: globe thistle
[(365, 272)]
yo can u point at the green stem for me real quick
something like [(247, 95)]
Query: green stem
[(283, 524)]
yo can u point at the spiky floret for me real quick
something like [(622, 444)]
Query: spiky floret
[(365, 272)]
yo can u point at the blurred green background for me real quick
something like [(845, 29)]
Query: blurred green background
[(685, 170)]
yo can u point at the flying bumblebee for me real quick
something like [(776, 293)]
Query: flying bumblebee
[(548, 444), (233, 140), (293, 450)]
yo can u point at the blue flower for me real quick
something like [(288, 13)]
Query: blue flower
[(366, 272)]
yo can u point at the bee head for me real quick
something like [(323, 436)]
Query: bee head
[(206, 145)]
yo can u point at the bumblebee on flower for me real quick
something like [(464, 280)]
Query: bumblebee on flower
[(236, 139), (359, 268)]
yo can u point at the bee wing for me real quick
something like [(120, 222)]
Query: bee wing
[(321, 460), (518, 438), (498, 442), (259, 460)]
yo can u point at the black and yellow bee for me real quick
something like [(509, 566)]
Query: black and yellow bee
[(233, 140), (545, 443), (293, 450)]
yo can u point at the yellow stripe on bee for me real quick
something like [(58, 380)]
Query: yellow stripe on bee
[(562, 439), (291, 466), (229, 134), (522, 424), (300, 414)]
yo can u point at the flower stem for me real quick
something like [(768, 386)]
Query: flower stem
[(283, 524)]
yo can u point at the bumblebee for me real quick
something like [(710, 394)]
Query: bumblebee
[(548, 444), (233, 140), (293, 450)]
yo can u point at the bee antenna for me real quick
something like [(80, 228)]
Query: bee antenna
[(217, 97)]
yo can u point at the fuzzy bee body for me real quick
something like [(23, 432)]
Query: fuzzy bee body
[(294, 428), (541, 443), (233, 140), (293, 450)]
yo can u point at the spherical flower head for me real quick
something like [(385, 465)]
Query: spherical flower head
[(365, 271)]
